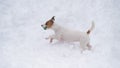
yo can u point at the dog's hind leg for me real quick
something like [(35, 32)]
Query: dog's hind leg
[(89, 46), (82, 47)]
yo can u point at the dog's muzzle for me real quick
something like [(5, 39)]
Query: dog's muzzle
[(44, 27)]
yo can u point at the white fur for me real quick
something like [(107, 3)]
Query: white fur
[(68, 35)]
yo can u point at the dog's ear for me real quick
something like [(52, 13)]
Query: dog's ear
[(53, 18)]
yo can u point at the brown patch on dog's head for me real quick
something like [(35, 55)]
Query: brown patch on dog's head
[(49, 23)]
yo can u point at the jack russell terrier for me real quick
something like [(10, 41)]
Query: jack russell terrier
[(64, 34)]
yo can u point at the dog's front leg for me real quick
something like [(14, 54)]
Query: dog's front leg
[(58, 37), (51, 37)]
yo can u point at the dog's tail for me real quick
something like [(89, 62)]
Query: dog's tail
[(92, 27)]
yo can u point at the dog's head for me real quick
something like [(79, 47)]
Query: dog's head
[(49, 23)]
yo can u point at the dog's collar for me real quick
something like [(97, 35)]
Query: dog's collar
[(45, 27)]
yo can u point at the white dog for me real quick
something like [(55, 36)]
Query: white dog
[(68, 35)]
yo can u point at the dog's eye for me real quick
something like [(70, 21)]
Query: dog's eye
[(46, 23)]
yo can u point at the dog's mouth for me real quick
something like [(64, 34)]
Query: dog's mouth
[(44, 27)]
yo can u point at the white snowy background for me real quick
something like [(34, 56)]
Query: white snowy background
[(22, 43)]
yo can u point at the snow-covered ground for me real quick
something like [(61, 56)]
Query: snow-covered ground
[(22, 43)]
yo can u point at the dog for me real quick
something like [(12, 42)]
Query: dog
[(64, 34)]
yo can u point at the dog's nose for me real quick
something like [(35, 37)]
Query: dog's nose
[(41, 25)]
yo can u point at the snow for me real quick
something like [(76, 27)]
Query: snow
[(22, 39)]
